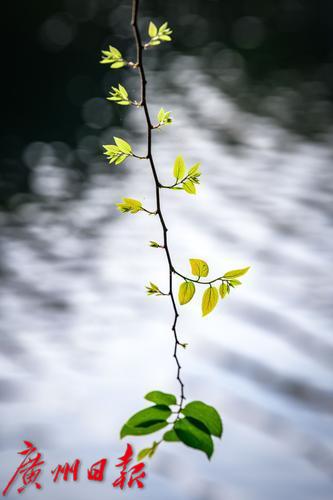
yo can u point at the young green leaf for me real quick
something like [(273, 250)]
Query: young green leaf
[(163, 117), (148, 452), (209, 300), (189, 187), (170, 436), (193, 436), (161, 398), (224, 290), (236, 273), (153, 289), (129, 205), (194, 170), (199, 268), (154, 244), (235, 282), (205, 414), (118, 64), (119, 95), (160, 115), (113, 57), (152, 30), (123, 146), (179, 168), (186, 292), (143, 453)]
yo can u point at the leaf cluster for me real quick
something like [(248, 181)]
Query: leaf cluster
[(185, 180), (158, 35), (129, 205), (119, 95), (113, 57), (211, 295), (153, 289), (164, 118), (118, 152), (194, 425)]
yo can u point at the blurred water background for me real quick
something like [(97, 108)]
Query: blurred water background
[(250, 89)]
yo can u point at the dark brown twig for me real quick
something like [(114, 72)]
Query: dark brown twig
[(158, 186)]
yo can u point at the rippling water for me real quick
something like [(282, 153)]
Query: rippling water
[(82, 343)]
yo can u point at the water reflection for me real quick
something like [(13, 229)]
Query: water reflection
[(77, 328)]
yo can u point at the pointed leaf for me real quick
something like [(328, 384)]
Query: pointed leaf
[(123, 145), (189, 187), (223, 290), (186, 292), (161, 398), (170, 436), (123, 91), (120, 159), (165, 38), (193, 170), (206, 414), (146, 421), (179, 168), (235, 282), (199, 267), (193, 436), (149, 428), (115, 52), (209, 300), (152, 30), (143, 453), (160, 115), (236, 273), (118, 64), (163, 27)]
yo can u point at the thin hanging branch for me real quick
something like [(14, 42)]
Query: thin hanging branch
[(139, 65), (196, 422)]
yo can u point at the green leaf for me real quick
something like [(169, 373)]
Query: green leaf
[(189, 187), (193, 436), (163, 27), (236, 273), (129, 205), (123, 145), (160, 115), (170, 436), (179, 168), (193, 170), (206, 414), (143, 453), (235, 282), (161, 398), (224, 290), (115, 52), (149, 428), (120, 159), (186, 292), (199, 268), (209, 300), (165, 38), (146, 421), (123, 91), (118, 64), (152, 30)]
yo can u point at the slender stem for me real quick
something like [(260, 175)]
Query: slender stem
[(150, 127), (220, 278), (148, 211)]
